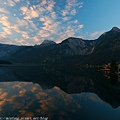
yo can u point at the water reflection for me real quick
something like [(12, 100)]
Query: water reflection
[(28, 99), (114, 78), (62, 93)]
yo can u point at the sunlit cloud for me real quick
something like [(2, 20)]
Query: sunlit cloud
[(36, 39), (11, 2), (96, 34), (7, 31), (29, 13), (2, 10), (70, 7), (4, 21), (73, 12), (25, 35), (44, 33), (23, 22), (43, 3), (65, 18), (15, 28), (17, 0), (3, 35), (24, 9)]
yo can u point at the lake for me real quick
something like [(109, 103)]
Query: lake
[(57, 93)]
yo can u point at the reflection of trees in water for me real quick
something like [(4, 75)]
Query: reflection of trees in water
[(113, 78), (112, 73), (113, 66)]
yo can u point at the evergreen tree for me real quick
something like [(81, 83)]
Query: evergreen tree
[(113, 66)]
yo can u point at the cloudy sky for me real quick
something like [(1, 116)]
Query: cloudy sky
[(29, 22)]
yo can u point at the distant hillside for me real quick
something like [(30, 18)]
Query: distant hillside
[(5, 62), (106, 48), (7, 50)]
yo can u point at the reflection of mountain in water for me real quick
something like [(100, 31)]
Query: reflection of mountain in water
[(70, 80)]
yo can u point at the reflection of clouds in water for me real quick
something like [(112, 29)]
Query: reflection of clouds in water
[(25, 113), (28, 99), (91, 97), (35, 88), (3, 95), (41, 95), (94, 98), (22, 92), (17, 86), (2, 103), (12, 94)]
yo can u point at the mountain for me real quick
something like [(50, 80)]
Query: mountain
[(69, 51), (106, 48), (7, 50), (48, 42), (5, 62), (77, 46)]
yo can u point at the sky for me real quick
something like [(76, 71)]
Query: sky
[(30, 22)]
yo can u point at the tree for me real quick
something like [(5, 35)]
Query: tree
[(113, 66)]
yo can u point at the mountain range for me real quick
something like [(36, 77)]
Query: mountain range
[(70, 51)]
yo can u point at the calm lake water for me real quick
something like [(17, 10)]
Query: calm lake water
[(61, 93)]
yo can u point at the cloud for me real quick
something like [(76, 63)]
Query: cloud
[(11, 3), (25, 35), (8, 27), (22, 22), (80, 26), (7, 31), (31, 23), (3, 35), (53, 15), (4, 21), (32, 14), (29, 13), (42, 19), (43, 3), (64, 12), (44, 33), (24, 9), (50, 27), (15, 28), (17, 1), (69, 30), (2, 10), (73, 12), (95, 34), (66, 18), (36, 39), (71, 6), (50, 7), (20, 42)]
